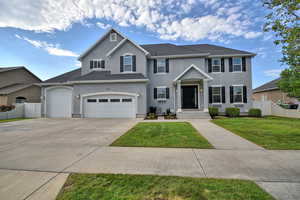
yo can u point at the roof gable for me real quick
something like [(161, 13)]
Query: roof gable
[(272, 85), (192, 73)]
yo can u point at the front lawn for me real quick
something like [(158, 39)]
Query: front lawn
[(268, 132), (146, 187), (11, 120), (163, 134)]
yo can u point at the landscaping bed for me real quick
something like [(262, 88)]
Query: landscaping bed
[(11, 120), (163, 134), (147, 187), (269, 132)]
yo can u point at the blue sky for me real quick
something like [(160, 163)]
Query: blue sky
[(47, 36)]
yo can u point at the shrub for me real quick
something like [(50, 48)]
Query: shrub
[(232, 112), (151, 116), (152, 109), (254, 112), (213, 111), (4, 108)]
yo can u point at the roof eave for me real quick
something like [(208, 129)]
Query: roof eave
[(182, 55)]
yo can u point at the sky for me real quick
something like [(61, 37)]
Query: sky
[(47, 36)]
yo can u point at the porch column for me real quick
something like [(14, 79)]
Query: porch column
[(179, 96), (205, 95)]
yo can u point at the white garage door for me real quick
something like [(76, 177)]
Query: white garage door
[(110, 106), (59, 102)]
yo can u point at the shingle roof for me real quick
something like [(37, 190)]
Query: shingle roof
[(272, 85), (75, 75), (13, 88), (171, 49), (5, 69)]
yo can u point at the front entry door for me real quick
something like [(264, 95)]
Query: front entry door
[(189, 97)]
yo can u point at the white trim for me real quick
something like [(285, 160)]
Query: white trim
[(96, 68), (242, 102), (198, 91), (54, 87), (237, 64), (216, 85), (190, 67), (112, 81), (161, 87), (182, 55), (116, 47), (122, 42), (131, 65), (212, 65), (221, 94), (108, 93), (238, 85), (233, 55)]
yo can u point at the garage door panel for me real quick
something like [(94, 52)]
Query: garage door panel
[(110, 106), (59, 103)]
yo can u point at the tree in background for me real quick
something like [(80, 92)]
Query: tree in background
[(284, 21)]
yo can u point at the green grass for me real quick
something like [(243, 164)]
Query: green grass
[(11, 120), (163, 134), (146, 187), (268, 132)]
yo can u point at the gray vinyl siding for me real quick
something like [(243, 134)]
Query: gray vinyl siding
[(99, 52), (139, 88)]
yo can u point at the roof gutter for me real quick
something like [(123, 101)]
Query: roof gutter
[(232, 55), (182, 55), (97, 81)]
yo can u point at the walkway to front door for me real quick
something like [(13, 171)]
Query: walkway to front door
[(189, 96)]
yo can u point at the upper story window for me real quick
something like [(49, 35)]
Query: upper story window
[(127, 60), (237, 64), (216, 65), (161, 65), (216, 94), (113, 37), (237, 94), (97, 64)]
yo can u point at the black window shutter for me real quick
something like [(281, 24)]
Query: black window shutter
[(245, 94), (244, 64), (167, 93), (209, 66), (154, 66), (98, 64), (222, 65), (102, 64), (121, 64), (155, 93), (223, 95), (210, 94), (134, 63), (91, 64), (167, 65), (231, 94), (230, 65)]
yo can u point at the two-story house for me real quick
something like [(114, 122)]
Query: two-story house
[(121, 79)]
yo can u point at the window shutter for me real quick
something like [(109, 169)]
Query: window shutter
[(210, 94), (167, 93), (155, 93), (209, 66), (244, 64), (134, 63), (245, 94), (231, 94), (91, 64), (154, 66), (223, 95), (98, 64), (102, 64), (121, 64), (222, 65), (230, 65), (167, 65)]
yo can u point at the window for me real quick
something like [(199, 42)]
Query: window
[(20, 99), (97, 64), (92, 100), (126, 100), (237, 94), (127, 60), (216, 65), (113, 37), (114, 100), (103, 100), (237, 64), (216, 94), (161, 93), (161, 65)]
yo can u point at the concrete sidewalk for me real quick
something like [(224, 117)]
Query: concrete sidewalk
[(221, 138)]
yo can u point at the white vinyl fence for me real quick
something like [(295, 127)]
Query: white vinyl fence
[(27, 110), (270, 108)]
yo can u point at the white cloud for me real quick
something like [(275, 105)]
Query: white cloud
[(102, 25), (261, 51), (50, 48), (273, 72), (170, 19), (78, 64)]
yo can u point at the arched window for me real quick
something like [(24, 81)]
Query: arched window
[(20, 99)]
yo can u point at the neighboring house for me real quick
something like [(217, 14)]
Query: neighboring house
[(271, 92), (119, 78), (17, 85)]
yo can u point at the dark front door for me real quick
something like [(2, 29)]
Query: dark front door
[(189, 97)]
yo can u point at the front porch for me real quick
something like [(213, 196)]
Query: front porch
[(191, 94)]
